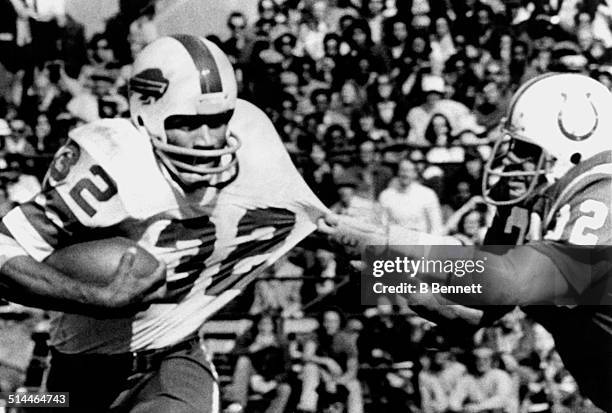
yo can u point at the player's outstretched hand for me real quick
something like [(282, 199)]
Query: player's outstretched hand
[(353, 233)]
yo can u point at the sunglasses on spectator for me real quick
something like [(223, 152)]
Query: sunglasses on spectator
[(18, 127)]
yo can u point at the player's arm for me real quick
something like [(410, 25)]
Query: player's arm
[(78, 196), (434, 307), (357, 233), (27, 281), (523, 275)]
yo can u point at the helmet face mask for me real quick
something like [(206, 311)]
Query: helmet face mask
[(183, 93), (515, 165), (554, 122)]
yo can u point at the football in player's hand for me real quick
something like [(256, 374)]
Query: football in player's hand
[(98, 261)]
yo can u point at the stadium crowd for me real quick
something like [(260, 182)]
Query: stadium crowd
[(388, 108)]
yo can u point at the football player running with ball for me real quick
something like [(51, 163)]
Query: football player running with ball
[(197, 179), (552, 176)]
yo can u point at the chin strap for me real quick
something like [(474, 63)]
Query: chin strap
[(234, 144), (208, 181), (211, 176)]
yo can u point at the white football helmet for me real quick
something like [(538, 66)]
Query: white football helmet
[(554, 121), (185, 75)]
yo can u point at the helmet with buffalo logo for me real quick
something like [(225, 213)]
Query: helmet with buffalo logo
[(185, 75)]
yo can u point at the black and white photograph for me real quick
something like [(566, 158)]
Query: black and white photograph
[(305, 206)]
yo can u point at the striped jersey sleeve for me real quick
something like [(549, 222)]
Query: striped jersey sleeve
[(78, 195)]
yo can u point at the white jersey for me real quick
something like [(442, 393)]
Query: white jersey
[(107, 182)]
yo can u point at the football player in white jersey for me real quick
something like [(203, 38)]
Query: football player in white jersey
[(199, 179), (558, 129)]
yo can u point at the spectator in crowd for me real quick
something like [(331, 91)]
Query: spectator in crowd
[(323, 112), (16, 142), (386, 106), (469, 223), (374, 12), (262, 366), (403, 395), (318, 175), (350, 203), (419, 116), (43, 140), (466, 181), (268, 11), (513, 343), (238, 42), (459, 115), (314, 27), (10, 54), (434, 398), (331, 47), (492, 106), (71, 44), (337, 142), (285, 45), (488, 388), (359, 47), (279, 294), (325, 269), (442, 44), (372, 176), (366, 130), (438, 131), (330, 358), (5, 203), (5, 132), (395, 42), (49, 93), (99, 98), (101, 55), (349, 99), (411, 204), (538, 65), (18, 181), (142, 32), (381, 347), (450, 371), (445, 147)]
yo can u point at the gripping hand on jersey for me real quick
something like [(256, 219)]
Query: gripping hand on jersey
[(352, 233), (356, 234)]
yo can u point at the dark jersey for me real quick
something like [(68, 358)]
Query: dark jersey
[(575, 211), (514, 224)]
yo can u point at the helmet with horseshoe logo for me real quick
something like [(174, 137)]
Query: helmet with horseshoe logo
[(554, 121)]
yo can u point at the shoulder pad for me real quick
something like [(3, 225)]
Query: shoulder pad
[(108, 138), (126, 155)]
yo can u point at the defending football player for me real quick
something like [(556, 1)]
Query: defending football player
[(556, 159), (199, 179)]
